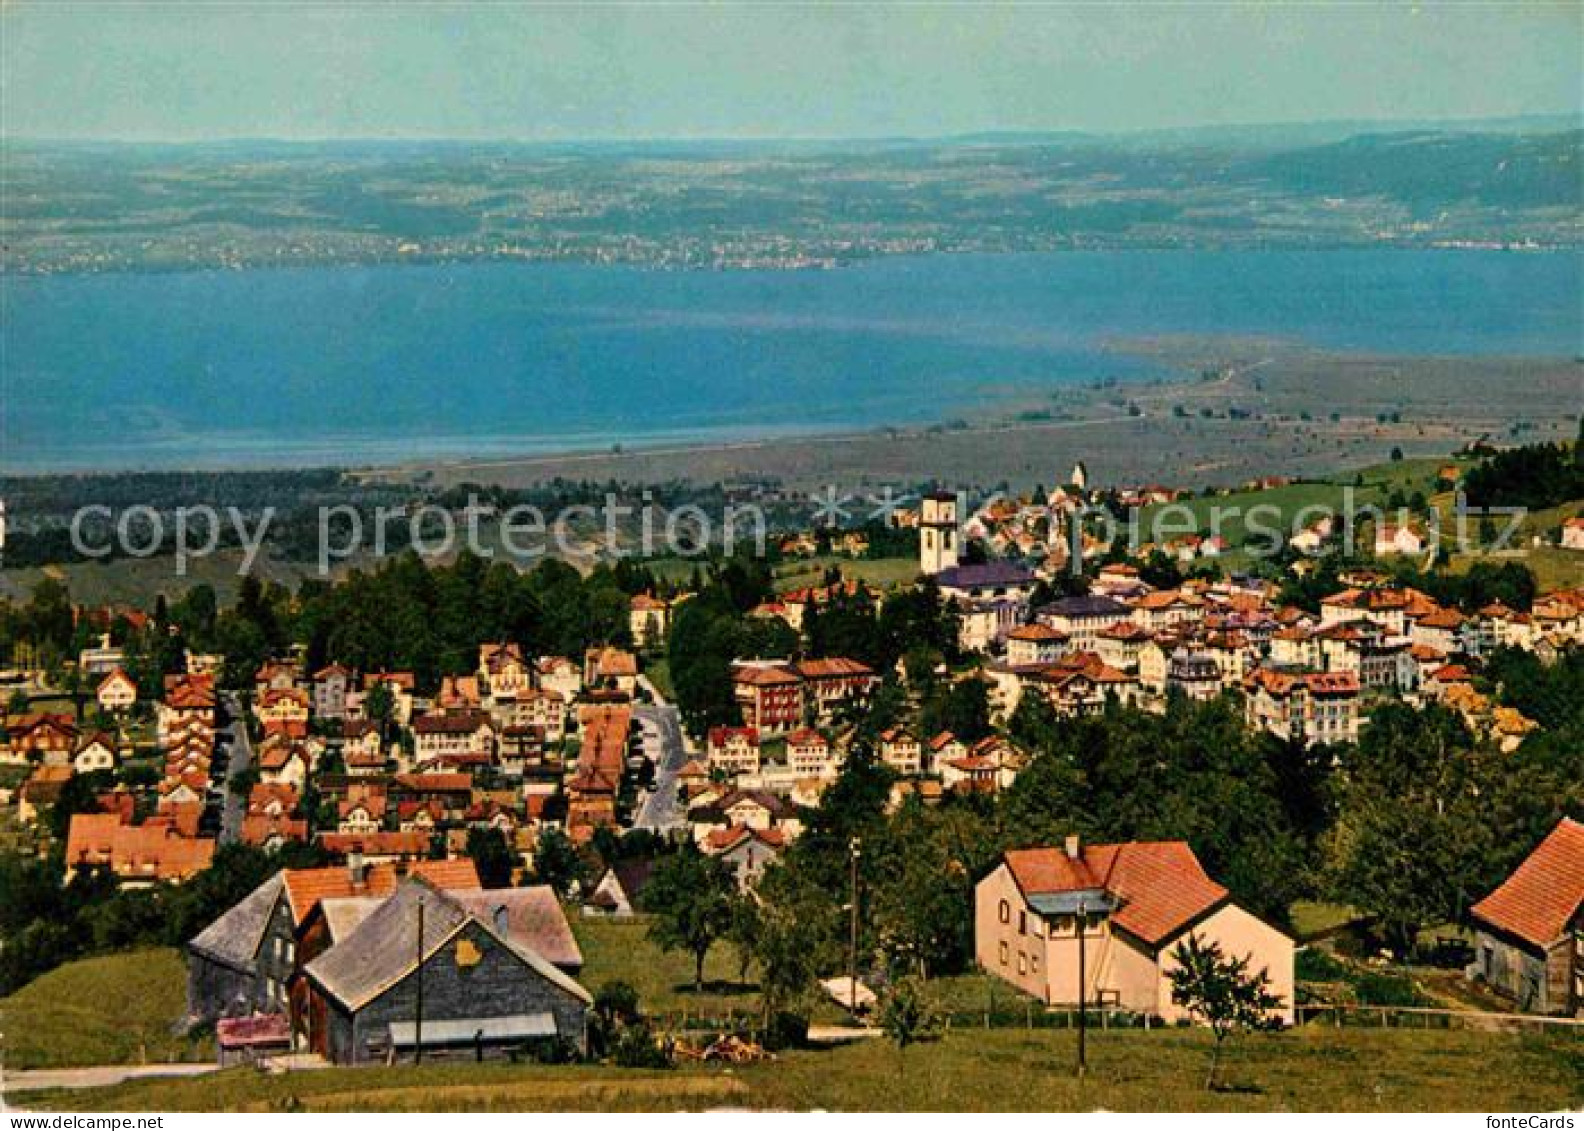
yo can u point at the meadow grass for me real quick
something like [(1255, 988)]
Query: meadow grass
[(1310, 1069), (113, 1009)]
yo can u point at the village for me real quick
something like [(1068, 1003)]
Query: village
[(442, 842)]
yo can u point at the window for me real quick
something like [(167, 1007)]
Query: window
[(1004, 953), (1006, 911), (1022, 922), (1034, 961), (1022, 963)]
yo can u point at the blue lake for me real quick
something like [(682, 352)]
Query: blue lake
[(357, 365)]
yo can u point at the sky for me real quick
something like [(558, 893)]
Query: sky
[(179, 72)]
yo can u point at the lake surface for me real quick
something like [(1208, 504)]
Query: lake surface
[(357, 365)]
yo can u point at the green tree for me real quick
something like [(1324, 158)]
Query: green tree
[(1414, 843), (492, 856), (799, 933), (556, 861), (1222, 992), (907, 1016), (691, 897)]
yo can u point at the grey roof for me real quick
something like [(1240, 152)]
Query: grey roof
[(382, 950), (344, 914), (534, 919), (233, 939), (984, 575), (1089, 900), (1091, 605)]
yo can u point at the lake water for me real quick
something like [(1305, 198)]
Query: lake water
[(356, 365)]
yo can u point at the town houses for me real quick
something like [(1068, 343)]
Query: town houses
[(948, 682)]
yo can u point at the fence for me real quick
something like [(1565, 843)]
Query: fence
[(1422, 1017), (1031, 1015)]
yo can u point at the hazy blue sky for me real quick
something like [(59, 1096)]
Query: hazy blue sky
[(181, 71)]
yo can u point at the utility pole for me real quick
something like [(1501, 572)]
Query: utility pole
[(1083, 1017), (853, 852), (418, 1018)]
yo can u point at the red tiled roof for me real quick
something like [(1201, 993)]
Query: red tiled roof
[(757, 676), (1540, 898), (1160, 884), (259, 828), (153, 850), (832, 667), (721, 735)]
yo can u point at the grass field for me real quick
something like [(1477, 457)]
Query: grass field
[(619, 950), (1228, 514), (1315, 1068), (882, 573), (115, 1009)]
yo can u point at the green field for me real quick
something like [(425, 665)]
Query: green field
[(619, 950), (115, 1009), (1233, 508), (882, 573), (1316, 1068)]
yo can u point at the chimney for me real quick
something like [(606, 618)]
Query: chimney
[(1071, 847), (356, 868), (501, 921)]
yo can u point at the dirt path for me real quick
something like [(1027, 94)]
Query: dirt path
[(94, 1076)]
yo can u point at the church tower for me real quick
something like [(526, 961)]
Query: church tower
[(938, 533)]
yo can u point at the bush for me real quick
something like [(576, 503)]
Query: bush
[(637, 1047), (787, 1030), (1386, 989), (1315, 965)]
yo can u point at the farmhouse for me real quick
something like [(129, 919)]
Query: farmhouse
[(1529, 943), (483, 992)]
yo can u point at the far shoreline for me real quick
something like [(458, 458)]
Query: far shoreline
[(1129, 428)]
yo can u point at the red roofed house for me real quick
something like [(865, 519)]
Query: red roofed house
[(139, 854), (1393, 538), (835, 682), (734, 750), (1138, 901), (1311, 707), (809, 754), (1034, 644), (902, 751), (43, 737), (1530, 931), (464, 732), (282, 705), (116, 692), (770, 695)]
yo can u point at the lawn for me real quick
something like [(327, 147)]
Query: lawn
[(1228, 515), (115, 1009), (1312, 919), (1370, 486), (882, 573), (1316, 1068), (619, 950), (1552, 566)]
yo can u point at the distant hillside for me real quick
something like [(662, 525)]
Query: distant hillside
[(89, 207), (1426, 171)]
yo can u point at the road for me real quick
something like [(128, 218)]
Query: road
[(234, 805), (97, 1076), (665, 745)]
